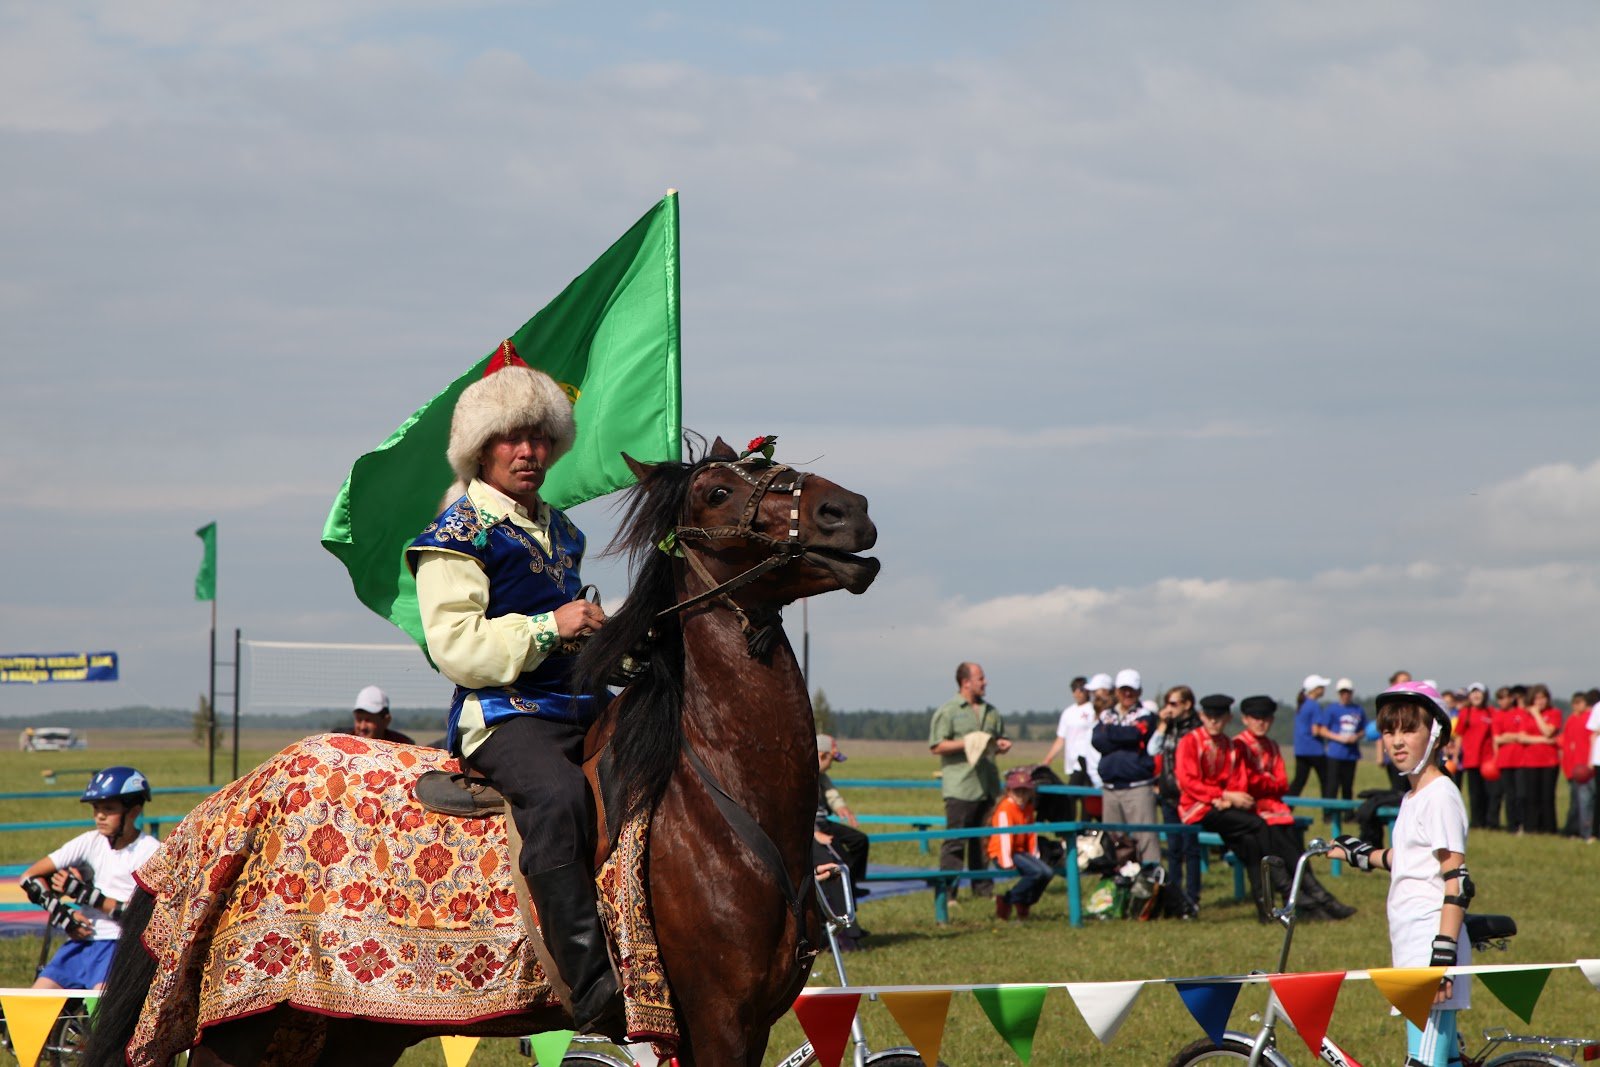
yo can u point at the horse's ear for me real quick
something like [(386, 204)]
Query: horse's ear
[(640, 470), (722, 450)]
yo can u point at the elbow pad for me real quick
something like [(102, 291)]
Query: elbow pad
[(1465, 890)]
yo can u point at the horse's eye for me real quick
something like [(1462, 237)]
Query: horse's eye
[(718, 495)]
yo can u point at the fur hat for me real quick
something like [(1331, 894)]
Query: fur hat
[(511, 397)]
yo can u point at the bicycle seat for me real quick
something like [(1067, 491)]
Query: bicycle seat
[(1481, 928)]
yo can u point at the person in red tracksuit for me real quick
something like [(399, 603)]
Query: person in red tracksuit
[(1510, 723), (1204, 767), (1258, 769), (1474, 730), (1541, 761)]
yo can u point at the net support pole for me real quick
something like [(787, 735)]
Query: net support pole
[(235, 704)]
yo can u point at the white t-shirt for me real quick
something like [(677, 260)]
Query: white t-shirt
[(1431, 819), (1076, 730), (113, 872), (1594, 730)]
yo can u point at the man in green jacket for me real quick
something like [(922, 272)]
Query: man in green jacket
[(966, 733)]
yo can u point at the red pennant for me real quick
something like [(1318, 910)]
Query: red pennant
[(1308, 1000), (826, 1017), (504, 356)]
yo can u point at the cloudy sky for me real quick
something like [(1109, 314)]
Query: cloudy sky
[(1231, 342)]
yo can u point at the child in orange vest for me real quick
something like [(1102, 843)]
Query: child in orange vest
[(1018, 851)]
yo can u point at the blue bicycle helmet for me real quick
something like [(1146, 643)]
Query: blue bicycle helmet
[(117, 783)]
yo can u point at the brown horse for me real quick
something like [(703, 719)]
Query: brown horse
[(713, 735)]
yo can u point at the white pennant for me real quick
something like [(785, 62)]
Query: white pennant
[(1591, 971), (643, 1053), (1104, 1005)]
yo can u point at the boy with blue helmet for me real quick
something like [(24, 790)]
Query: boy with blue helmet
[(94, 869)]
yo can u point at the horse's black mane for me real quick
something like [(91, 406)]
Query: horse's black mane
[(644, 749)]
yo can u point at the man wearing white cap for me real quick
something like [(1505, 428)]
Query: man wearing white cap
[(371, 717), (1127, 769), (1075, 730), (1310, 753)]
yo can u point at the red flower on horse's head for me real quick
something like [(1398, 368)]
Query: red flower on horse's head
[(766, 444)]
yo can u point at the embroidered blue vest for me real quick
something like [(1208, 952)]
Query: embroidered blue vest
[(524, 579)]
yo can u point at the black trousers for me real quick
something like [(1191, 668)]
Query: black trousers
[(1512, 789), (1303, 766), (538, 765), (1537, 786), (1245, 834), (968, 853), (852, 846), (1340, 782)]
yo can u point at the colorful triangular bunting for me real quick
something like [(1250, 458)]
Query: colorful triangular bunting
[(1409, 989), (1517, 990), (1104, 1005), (29, 1019), (825, 1017), (1014, 1012), (458, 1050), (550, 1046), (922, 1016), (1591, 971), (1210, 1003), (1308, 1000)]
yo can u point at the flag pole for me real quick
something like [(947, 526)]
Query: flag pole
[(211, 703)]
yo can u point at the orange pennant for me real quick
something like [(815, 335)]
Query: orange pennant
[(922, 1016), (1308, 1000), (29, 1020), (826, 1017), (1409, 989)]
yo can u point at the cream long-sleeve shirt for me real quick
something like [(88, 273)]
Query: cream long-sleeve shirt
[(471, 650)]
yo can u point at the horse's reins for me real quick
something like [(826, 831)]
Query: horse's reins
[(758, 639)]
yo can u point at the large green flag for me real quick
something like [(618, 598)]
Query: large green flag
[(205, 580), (610, 339)]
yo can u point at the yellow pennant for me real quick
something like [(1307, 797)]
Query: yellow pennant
[(1410, 989), (458, 1050), (29, 1020), (922, 1016)]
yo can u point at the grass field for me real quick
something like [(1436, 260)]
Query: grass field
[(1548, 884)]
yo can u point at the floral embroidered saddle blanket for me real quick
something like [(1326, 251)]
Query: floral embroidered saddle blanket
[(317, 880)]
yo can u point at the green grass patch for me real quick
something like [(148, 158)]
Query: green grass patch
[(1546, 883)]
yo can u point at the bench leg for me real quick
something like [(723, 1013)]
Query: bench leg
[(1335, 866), (1238, 880), (1074, 890), (941, 903)]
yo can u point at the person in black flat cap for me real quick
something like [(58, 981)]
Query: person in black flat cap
[(1259, 769), (1204, 765)]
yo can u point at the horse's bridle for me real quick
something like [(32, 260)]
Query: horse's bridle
[(758, 639)]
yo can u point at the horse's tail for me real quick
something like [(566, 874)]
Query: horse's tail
[(132, 971)]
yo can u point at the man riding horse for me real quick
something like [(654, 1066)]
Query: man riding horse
[(499, 593)]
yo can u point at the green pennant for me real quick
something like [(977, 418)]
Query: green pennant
[(1517, 990), (1014, 1012), (550, 1047)]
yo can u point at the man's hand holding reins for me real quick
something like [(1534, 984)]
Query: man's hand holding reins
[(578, 619)]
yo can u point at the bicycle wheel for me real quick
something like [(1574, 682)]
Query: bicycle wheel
[(1234, 1048), (67, 1041), (897, 1057), (1529, 1059), (591, 1059)]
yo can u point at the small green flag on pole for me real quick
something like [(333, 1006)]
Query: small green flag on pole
[(205, 583), (610, 339)]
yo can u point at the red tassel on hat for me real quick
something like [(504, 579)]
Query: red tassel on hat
[(504, 356)]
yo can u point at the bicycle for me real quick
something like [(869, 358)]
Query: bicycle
[(1484, 932), (834, 924), (69, 1036)]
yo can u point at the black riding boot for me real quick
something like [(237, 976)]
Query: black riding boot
[(1322, 904), (570, 921)]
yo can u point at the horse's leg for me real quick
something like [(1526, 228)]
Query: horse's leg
[(711, 906), (360, 1041)]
